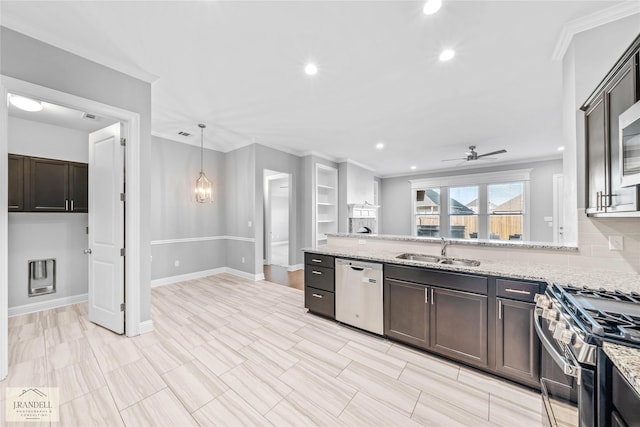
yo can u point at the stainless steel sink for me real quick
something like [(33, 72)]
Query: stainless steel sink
[(461, 262), (419, 257), (439, 260)]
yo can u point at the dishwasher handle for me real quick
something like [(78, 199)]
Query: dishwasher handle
[(357, 268)]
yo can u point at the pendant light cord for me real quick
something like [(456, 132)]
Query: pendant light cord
[(201, 147)]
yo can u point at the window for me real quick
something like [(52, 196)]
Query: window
[(463, 212), (506, 210), (427, 212), (478, 206)]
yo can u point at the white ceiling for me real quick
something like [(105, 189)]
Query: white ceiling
[(238, 67)]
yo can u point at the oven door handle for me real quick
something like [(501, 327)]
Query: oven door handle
[(567, 367)]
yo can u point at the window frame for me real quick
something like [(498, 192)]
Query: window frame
[(482, 181)]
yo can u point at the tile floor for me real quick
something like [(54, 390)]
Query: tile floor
[(226, 351)]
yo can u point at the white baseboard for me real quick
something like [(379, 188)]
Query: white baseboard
[(295, 267), (199, 274), (146, 327), (47, 305), (188, 276)]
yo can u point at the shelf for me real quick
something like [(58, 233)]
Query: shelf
[(326, 187), (325, 204), (326, 220)]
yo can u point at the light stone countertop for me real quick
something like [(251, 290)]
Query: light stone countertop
[(562, 276), (627, 360), (488, 243)]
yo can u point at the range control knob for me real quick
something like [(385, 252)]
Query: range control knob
[(560, 328), (567, 336), (550, 314)]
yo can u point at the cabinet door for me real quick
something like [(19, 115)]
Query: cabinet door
[(517, 344), (78, 187), (48, 185), (16, 183), (406, 312), (597, 169), (619, 97), (459, 325)]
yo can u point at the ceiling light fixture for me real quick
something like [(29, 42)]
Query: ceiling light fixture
[(26, 104), (432, 6), (311, 69), (380, 145), (447, 54), (414, 168), (203, 185), (560, 148)]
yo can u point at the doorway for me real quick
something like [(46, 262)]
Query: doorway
[(276, 217), (131, 122)]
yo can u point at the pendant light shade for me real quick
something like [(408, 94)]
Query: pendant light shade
[(203, 185)]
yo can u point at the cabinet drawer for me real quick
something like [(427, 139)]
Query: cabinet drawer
[(319, 260), (319, 301), (319, 277), (515, 289), (445, 279)]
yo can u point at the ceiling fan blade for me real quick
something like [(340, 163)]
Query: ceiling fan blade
[(492, 153)]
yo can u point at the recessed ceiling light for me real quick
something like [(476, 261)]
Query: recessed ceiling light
[(26, 104), (311, 69), (380, 145), (447, 54), (560, 148), (432, 6), (414, 168)]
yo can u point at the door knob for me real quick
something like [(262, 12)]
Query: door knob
[(87, 251)]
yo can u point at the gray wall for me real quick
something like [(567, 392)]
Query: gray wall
[(176, 214), (279, 161), (396, 195), (61, 236), (28, 59)]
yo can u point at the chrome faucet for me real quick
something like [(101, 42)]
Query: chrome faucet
[(443, 246)]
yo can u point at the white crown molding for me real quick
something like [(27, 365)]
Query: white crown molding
[(590, 21), (19, 26), (320, 155), (360, 165)]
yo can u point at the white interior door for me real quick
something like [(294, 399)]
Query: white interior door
[(106, 228)]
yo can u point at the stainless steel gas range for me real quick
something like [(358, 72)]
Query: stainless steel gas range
[(572, 323)]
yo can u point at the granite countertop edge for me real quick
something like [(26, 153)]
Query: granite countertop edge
[(627, 360), (508, 244)]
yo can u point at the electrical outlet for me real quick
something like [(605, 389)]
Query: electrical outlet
[(616, 243), (176, 263), (243, 260), (249, 224), (151, 258)]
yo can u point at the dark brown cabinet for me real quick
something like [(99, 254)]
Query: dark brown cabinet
[(617, 92), (625, 402), (440, 311), (406, 312), (459, 325), (517, 344), (48, 185), (319, 284), (16, 183)]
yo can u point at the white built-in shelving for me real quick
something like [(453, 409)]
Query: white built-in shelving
[(326, 203)]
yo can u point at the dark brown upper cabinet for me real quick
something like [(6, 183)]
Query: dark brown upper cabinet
[(16, 183), (618, 91), (48, 185)]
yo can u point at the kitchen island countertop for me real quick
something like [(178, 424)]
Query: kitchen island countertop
[(627, 360)]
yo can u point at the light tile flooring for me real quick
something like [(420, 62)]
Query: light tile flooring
[(226, 351)]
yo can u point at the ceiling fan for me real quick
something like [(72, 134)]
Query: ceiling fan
[(472, 154)]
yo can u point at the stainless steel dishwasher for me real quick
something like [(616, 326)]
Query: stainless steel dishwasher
[(359, 295)]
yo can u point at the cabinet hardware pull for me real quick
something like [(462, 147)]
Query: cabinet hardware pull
[(517, 291), (316, 260), (431, 296), (317, 296), (66, 204), (316, 272), (426, 295), (499, 309), (71, 205)]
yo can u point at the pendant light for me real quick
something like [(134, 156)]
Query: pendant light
[(203, 185)]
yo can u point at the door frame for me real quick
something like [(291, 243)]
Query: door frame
[(558, 208), (131, 122), (267, 212)]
